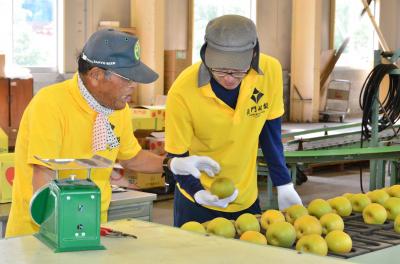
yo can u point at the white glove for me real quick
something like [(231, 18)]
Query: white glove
[(192, 165), (204, 197), (287, 196)]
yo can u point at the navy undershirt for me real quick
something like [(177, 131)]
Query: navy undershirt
[(269, 140)]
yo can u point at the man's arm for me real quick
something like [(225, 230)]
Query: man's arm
[(144, 161), (271, 145), (41, 176)]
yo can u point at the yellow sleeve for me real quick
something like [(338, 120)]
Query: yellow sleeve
[(178, 125), (129, 146), (45, 129), (277, 108)]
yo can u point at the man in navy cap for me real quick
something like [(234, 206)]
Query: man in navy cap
[(225, 107), (84, 116)]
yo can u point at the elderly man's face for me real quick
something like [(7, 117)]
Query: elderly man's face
[(228, 78), (112, 90)]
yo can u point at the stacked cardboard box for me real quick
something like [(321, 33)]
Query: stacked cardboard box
[(136, 180), (148, 117)]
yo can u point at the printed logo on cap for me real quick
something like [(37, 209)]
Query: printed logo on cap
[(137, 50)]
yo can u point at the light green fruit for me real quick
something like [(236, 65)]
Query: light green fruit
[(221, 227), (313, 244), (339, 242), (359, 201), (392, 206), (341, 205), (281, 234), (319, 207), (394, 190), (374, 214), (397, 224), (378, 196), (295, 211), (222, 187), (247, 222), (330, 222), (307, 225), (194, 227)]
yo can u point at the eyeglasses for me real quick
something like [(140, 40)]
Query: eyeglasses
[(234, 74), (120, 76)]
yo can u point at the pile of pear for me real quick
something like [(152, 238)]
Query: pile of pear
[(316, 229)]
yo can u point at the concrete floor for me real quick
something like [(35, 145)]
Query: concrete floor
[(325, 183)]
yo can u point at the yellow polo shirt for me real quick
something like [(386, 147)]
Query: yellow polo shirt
[(199, 122), (58, 123)]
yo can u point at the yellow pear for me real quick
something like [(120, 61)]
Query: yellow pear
[(281, 234), (194, 227), (307, 225), (394, 190), (313, 244), (348, 195), (397, 224), (222, 187), (359, 201), (254, 237), (378, 196), (295, 211), (330, 222), (392, 206), (247, 222), (374, 214), (339, 242), (341, 205), (271, 216), (221, 227), (319, 207)]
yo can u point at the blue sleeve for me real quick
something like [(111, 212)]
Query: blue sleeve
[(272, 148), (187, 182)]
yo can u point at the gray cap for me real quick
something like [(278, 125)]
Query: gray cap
[(119, 52), (230, 42)]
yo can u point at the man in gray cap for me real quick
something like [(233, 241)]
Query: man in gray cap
[(225, 107), (84, 116)]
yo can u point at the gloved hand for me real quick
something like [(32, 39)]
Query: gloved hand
[(193, 165), (287, 196), (204, 197)]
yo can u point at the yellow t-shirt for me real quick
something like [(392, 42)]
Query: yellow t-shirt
[(199, 122), (58, 123)]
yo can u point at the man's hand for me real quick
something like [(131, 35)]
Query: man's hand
[(204, 197), (192, 165), (287, 196)]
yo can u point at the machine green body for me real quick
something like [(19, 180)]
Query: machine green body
[(68, 212)]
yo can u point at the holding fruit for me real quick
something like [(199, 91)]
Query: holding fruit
[(222, 187)]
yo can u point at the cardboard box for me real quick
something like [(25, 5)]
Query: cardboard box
[(156, 143), (149, 111), (2, 65), (136, 180), (3, 141), (6, 176), (147, 123)]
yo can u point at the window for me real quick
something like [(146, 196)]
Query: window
[(29, 33), (359, 53), (206, 10)]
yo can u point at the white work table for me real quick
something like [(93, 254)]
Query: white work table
[(156, 244)]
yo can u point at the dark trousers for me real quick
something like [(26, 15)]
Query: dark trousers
[(185, 211)]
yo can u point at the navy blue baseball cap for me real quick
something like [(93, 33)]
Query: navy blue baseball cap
[(118, 52)]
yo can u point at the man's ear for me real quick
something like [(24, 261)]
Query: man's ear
[(95, 76)]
